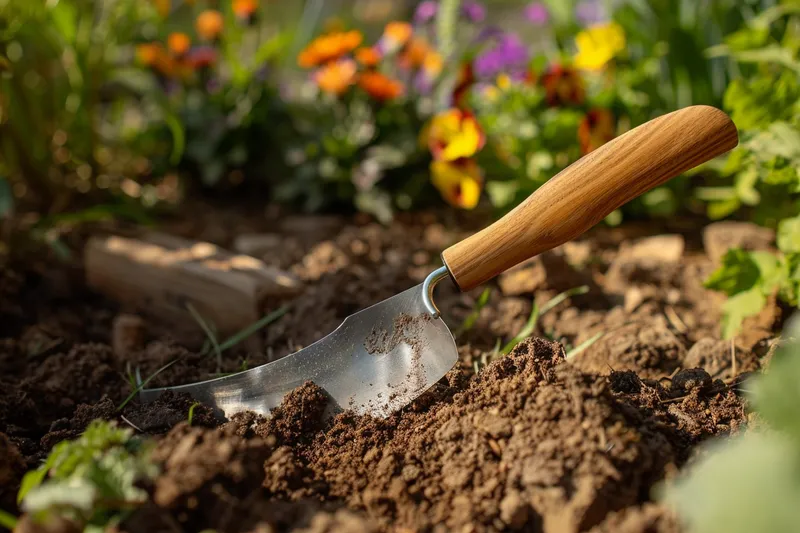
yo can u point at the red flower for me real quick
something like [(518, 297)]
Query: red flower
[(563, 86), (596, 129), (466, 77)]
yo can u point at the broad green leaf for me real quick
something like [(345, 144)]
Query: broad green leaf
[(742, 485), (776, 394), (738, 307), (789, 235), (738, 273)]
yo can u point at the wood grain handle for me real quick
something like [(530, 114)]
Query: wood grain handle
[(587, 191)]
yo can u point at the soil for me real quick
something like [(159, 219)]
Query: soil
[(531, 441)]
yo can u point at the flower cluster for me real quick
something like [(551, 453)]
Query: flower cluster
[(382, 71), (503, 60), (178, 58)]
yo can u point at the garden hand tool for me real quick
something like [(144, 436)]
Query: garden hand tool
[(385, 356)]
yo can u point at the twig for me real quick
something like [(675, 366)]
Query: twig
[(675, 320), (733, 360), (131, 424)]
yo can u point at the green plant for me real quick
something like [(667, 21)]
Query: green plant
[(750, 278), (751, 482), (92, 480), (762, 176)]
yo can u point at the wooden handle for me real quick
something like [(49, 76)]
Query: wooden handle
[(587, 191)]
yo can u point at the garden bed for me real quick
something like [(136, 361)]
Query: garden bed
[(534, 440)]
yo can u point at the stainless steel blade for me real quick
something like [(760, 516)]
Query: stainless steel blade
[(340, 363)]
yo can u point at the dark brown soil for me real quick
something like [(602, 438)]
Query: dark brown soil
[(532, 442)]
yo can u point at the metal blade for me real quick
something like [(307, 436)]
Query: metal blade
[(419, 350)]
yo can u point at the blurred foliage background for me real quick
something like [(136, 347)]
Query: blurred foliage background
[(122, 108)]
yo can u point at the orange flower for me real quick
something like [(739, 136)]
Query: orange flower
[(379, 86), (596, 129), (563, 86), (329, 47), (147, 53), (178, 43), (454, 134), (244, 9), (395, 36), (415, 52), (459, 182), (368, 56), (433, 64), (336, 76), (209, 24)]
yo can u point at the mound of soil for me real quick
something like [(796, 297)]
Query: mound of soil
[(530, 441)]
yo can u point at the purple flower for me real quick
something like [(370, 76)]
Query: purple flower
[(474, 11), (423, 82), (537, 13), (425, 12), (509, 55), (590, 12)]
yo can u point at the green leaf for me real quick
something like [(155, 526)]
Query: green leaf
[(738, 307), (776, 394), (789, 235), (469, 321), (7, 520), (738, 273), (741, 485)]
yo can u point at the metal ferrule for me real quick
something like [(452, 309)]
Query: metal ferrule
[(427, 289)]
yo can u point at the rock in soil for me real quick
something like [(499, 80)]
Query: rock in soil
[(652, 351), (718, 357), (719, 237)]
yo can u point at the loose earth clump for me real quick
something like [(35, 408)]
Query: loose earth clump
[(531, 441)]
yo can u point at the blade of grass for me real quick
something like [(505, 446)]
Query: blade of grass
[(583, 289), (469, 321), (585, 344), (7, 520), (210, 334), (536, 312), (144, 383), (526, 331), (252, 328), (191, 411)]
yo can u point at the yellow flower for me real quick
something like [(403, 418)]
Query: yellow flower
[(503, 81), (454, 134), (598, 45), (209, 24), (329, 47), (336, 76), (459, 182)]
